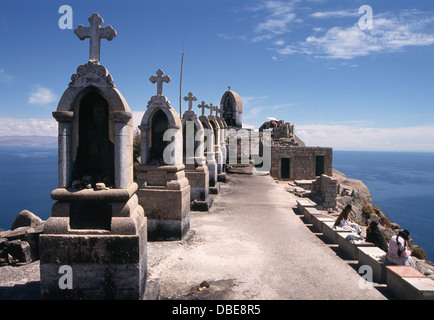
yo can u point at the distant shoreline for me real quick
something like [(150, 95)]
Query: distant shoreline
[(46, 141)]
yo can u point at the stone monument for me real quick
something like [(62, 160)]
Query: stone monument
[(97, 230), (232, 106), (217, 138), (196, 169), (164, 190), (209, 145), (223, 142)]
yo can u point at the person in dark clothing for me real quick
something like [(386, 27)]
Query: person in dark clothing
[(374, 235)]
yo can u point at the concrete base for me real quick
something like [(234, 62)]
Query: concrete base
[(351, 247), (408, 283), (168, 230), (308, 212), (215, 189), (168, 212), (375, 258), (331, 233), (201, 205), (221, 177), (103, 266), (304, 203), (319, 219)]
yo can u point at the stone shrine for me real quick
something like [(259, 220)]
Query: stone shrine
[(196, 169), (97, 228), (223, 142), (164, 190), (232, 107), (209, 153), (217, 138)]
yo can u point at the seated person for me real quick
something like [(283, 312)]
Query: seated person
[(344, 221), (398, 252), (374, 235)]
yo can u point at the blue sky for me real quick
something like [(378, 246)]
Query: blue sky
[(310, 63)]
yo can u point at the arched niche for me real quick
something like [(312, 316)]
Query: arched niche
[(160, 116), (77, 111), (232, 107)]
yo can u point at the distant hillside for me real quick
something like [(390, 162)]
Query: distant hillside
[(28, 141)]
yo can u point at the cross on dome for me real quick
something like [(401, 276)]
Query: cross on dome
[(159, 79), (190, 98), (95, 33), (212, 108), (202, 106)]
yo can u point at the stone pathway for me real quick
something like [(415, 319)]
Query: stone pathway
[(253, 245)]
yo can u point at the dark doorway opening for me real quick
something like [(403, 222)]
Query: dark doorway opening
[(158, 128), (319, 165), (285, 168), (95, 153)]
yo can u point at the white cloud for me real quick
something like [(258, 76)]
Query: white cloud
[(335, 14), (351, 137), (343, 38), (41, 96), (28, 127), (277, 17), (390, 33)]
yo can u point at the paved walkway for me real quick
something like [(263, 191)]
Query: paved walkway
[(252, 245)]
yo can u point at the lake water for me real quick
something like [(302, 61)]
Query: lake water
[(401, 185)]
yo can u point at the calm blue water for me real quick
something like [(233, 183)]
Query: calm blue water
[(401, 185), (27, 176)]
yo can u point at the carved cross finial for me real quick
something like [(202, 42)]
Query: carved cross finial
[(203, 106), (229, 88), (190, 98), (159, 79), (212, 108), (219, 112), (95, 33)]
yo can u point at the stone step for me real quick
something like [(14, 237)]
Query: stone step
[(408, 283), (375, 258), (319, 219), (351, 248), (308, 212), (331, 233)]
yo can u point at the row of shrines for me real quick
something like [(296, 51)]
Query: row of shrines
[(103, 215)]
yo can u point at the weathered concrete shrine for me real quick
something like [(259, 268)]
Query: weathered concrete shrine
[(196, 169), (209, 147), (164, 190), (97, 228)]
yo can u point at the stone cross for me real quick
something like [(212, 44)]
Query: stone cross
[(219, 112), (159, 79), (190, 98), (212, 108), (203, 106), (95, 33)]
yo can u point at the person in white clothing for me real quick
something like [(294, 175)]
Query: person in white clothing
[(398, 252), (344, 221)]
